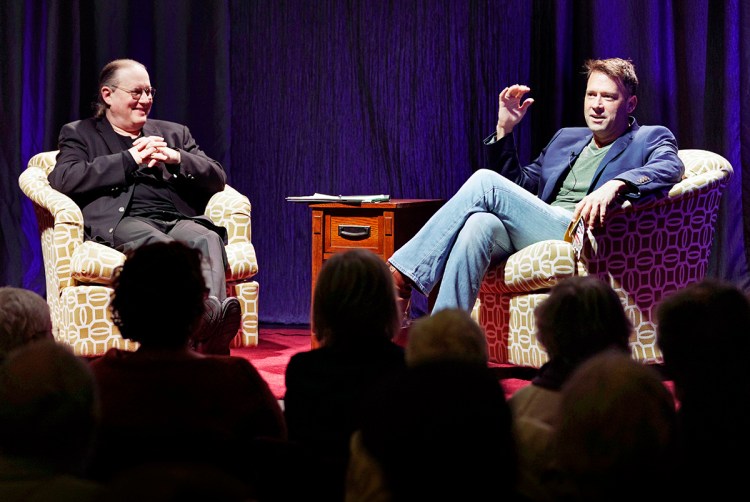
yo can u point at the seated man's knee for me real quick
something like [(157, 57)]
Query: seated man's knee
[(482, 229), (486, 176)]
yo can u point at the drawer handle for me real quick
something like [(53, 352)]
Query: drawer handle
[(354, 232)]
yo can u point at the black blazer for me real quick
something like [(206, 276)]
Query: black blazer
[(93, 169)]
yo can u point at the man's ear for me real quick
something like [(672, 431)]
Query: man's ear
[(632, 102), (106, 93)]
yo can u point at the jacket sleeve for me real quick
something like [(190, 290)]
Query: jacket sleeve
[(197, 170), (659, 168), (502, 157), (78, 172)]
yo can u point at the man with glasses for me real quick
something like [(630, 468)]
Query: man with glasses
[(139, 181)]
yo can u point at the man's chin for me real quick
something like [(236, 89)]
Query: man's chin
[(139, 119)]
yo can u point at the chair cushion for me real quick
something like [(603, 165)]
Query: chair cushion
[(532, 268), (94, 263)]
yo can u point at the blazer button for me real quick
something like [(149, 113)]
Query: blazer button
[(121, 209), (111, 230)]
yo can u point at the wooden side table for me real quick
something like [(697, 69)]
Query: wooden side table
[(381, 227)]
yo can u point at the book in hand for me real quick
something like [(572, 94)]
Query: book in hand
[(576, 233), (321, 197)]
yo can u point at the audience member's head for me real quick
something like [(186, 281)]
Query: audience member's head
[(702, 331), (439, 431), (354, 299), (49, 407), (691, 322), (448, 334), (581, 316), (159, 294), (615, 437), (24, 317)]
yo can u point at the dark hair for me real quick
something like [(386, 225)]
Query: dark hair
[(354, 298), (621, 70), (582, 316), (108, 77), (49, 406), (159, 294), (709, 313), (615, 413), (450, 414)]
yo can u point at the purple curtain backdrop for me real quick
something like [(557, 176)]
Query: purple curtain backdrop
[(345, 96)]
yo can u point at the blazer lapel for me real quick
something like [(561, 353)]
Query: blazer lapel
[(617, 148), (109, 135)]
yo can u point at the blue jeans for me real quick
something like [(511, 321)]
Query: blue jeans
[(488, 219)]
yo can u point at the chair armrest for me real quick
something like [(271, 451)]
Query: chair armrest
[(59, 219), (231, 210), (33, 182), (640, 243)]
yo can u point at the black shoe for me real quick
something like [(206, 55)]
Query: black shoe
[(221, 321)]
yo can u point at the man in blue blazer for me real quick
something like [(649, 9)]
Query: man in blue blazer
[(581, 173), (139, 181)]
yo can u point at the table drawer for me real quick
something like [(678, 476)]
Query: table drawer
[(347, 232)]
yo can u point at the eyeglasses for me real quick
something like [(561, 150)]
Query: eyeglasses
[(137, 93)]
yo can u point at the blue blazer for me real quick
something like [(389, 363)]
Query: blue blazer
[(644, 156)]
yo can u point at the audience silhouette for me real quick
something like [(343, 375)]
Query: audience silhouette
[(49, 413), (615, 437), (24, 317), (440, 430), (449, 334), (581, 317), (363, 418), (165, 402), (702, 331), (354, 319)]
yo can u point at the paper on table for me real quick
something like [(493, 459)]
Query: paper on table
[(321, 197)]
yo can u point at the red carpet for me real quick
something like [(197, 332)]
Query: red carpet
[(278, 343), (275, 347)]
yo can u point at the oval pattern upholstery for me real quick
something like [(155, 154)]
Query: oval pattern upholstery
[(78, 272), (645, 251)]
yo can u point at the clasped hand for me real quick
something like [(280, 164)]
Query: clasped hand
[(152, 149)]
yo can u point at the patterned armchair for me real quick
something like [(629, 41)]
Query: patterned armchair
[(78, 272), (645, 252)]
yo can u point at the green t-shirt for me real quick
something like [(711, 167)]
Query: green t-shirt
[(576, 184)]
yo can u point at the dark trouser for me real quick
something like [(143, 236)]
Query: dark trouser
[(134, 231)]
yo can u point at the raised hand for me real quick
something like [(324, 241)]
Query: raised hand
[(511, 109)]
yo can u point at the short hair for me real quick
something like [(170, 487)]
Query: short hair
[(447, 334), (24, 317), (621, 70), (710, 311), (159, 294), (354, 299), (581, 316), (430, 428), (108, 77), (49, 406), (615, 413)]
